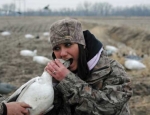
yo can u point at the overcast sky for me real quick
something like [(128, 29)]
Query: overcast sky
[(57, 4)]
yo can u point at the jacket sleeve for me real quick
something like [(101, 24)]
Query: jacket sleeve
[(111, 99), (3, 109)]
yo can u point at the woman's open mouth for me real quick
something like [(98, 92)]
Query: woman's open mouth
[(71, 61)]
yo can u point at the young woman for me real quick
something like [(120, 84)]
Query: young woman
[(93, 84)]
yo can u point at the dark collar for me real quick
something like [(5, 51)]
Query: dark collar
[(93, 45)]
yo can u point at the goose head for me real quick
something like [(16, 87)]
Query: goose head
[(66, 63)]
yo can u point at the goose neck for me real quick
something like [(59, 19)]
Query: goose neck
[(46, 77)]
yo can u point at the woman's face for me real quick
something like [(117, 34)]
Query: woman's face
[(68, 51)]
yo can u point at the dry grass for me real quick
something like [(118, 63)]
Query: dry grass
[(16, 69)]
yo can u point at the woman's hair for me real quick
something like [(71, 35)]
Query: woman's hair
[(82, 71)]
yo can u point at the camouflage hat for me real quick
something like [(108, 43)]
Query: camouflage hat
[(66, 30)]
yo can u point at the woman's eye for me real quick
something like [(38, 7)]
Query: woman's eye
[(56, 48), (68, 44)]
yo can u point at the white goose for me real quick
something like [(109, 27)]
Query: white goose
[(38, 93)]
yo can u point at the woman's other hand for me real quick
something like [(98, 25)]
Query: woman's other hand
[(17, 108)]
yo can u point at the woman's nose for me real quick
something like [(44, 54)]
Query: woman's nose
[(63, 52)]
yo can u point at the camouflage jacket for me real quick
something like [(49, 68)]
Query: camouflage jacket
[(1, 106), (107, 92), (1, 109)]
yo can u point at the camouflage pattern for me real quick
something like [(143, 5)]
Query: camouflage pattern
[(107, 92), (1, 106), (66, 30), (1, 109)]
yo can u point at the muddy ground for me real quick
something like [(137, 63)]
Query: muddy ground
[(126, 33)]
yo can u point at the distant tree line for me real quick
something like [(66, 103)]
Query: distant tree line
[(85, 9)]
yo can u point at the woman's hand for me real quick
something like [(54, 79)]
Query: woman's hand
[(57, 70), (17, 108)]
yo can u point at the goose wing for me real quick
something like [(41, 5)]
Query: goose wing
[(21, 89)]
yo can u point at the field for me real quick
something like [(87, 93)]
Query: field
[(126, 33)]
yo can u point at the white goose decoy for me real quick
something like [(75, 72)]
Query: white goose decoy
[(41, 60), (111, 49), (5, 33), (29, 36), (133, 64), (28, 53), (6, 88), (38, 93), (46, 34)]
